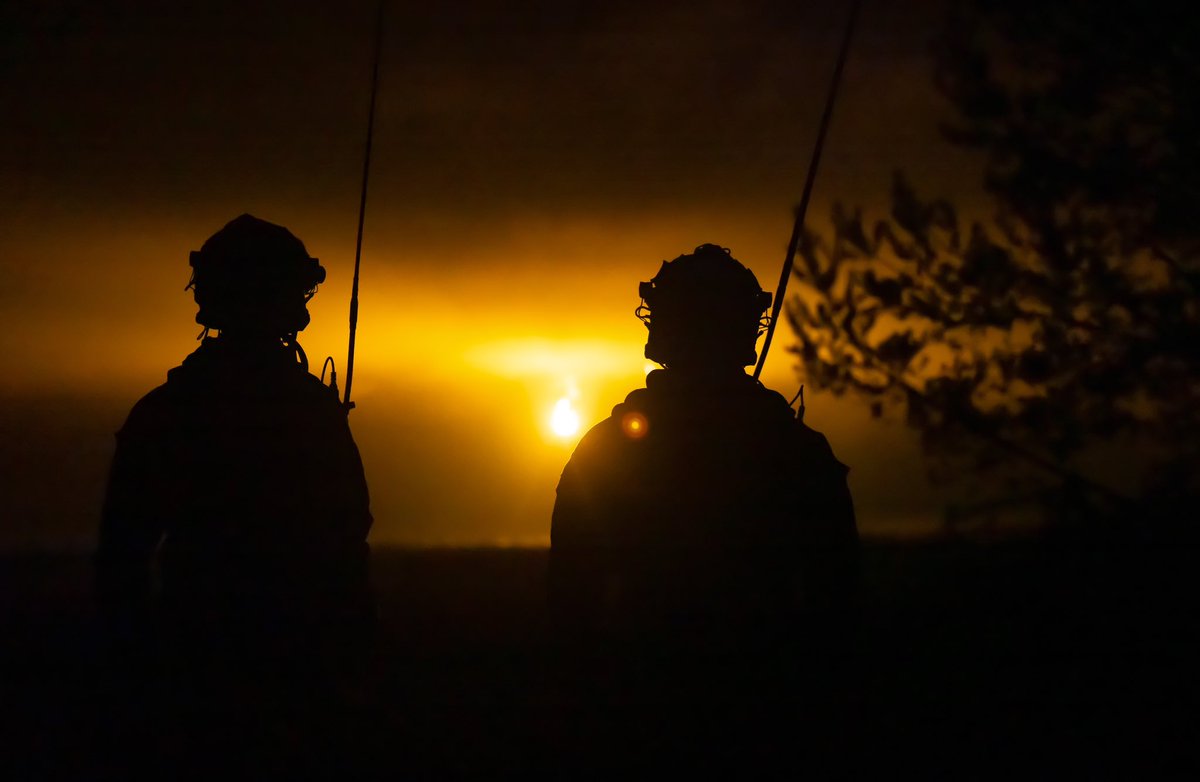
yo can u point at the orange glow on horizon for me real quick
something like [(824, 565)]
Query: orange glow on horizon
[(457, 360)]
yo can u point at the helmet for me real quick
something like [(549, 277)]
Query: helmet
[(254, 276), (705, 308)]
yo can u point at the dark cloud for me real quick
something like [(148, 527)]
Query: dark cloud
[(481, 103)]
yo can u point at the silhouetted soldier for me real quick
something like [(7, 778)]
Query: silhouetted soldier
[(240, 479), (702, 515), (703, 558)]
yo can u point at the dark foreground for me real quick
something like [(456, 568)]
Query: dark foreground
[(1031, 659)]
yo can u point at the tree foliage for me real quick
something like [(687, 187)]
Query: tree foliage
[(1071, 318)]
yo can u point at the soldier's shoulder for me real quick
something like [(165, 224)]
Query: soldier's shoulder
[(772, 404), (602, 433), (291, 385), (813, 446), (637, 400), (305, 395), (605, 440), (312, 386), (806, 434), (154, 412)]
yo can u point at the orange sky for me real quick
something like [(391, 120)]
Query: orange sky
[(529, 171)]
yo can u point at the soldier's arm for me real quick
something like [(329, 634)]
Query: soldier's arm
[(576, 568), (354, 480), (832, 572), (358, 611), (355, 508), (130, 528)]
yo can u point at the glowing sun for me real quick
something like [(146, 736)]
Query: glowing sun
[(564, 421)]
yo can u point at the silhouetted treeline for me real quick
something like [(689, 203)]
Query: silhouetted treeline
[(1052, 347)]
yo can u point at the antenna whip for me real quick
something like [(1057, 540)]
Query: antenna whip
[(798, 225), (362, 208)]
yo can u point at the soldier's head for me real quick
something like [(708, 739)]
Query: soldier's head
[(704, 310), (254, 278)]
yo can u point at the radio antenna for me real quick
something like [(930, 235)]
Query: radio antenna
[(362, 207), (798, 225)]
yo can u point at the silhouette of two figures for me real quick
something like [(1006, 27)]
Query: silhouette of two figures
[(700, 518)]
